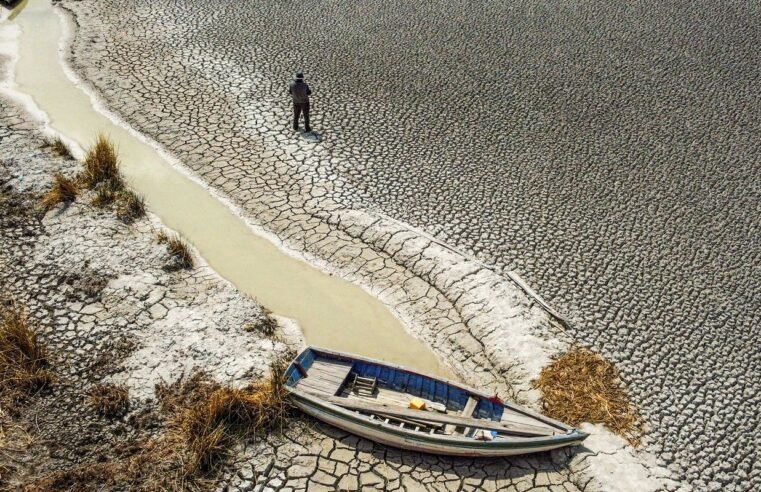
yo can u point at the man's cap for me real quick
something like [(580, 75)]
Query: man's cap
[(299, 75)]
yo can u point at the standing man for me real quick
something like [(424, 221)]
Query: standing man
[(300, 91)]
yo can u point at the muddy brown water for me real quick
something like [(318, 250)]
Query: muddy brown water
[(332, 312)]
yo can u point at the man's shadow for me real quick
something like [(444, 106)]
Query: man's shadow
[(312, 136)]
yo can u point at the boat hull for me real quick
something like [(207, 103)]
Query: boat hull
[(412, 441)]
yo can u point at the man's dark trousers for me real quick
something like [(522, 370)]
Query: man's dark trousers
[(299, 108)]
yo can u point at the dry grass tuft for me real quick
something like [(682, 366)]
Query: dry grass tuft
[(101, 165), (81, 478), (204, 419), (59, 148), (64, 190), (131, 206), (267, 325), (106, 193), (109, 400), (208, 418), (178, 248), (581, 386), (23, 358), (213, 425), (101, 173)]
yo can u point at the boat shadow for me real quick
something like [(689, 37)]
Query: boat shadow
[(484, 470)]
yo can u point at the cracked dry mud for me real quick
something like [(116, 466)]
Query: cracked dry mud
[(608, 152), (101, 301), (109, 311)]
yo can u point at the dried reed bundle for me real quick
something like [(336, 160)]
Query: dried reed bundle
[(581, 386)]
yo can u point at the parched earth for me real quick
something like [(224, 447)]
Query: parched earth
[(103, 303), (609, 152), (109, 311)]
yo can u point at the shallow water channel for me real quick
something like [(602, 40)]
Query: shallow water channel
[(332, 312)]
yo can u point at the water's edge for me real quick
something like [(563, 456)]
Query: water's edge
[(328, 309)]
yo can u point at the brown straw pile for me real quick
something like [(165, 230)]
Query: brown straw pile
[(581, 386)]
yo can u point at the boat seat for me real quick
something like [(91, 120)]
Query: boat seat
[(324, 377), (363, 386)]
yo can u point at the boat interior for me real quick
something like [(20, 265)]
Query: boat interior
[(410, 401)]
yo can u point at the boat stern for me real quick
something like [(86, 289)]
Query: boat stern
[(299, 367)]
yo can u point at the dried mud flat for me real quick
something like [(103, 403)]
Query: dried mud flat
[(609, 153), (111, 312), (103, 302), (172, 84)]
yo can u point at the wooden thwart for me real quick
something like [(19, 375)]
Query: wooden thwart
[(425, 416), (470, 407)]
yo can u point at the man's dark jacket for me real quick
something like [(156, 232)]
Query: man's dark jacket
[(300, 91)]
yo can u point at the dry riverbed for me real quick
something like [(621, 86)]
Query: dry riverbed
[(621, 179), (111, 312)]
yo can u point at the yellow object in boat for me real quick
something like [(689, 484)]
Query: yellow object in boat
[(417, 404)]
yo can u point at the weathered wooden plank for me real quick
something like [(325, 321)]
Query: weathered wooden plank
[(384, 395), (320, 385), (325, 377), (332, 363), (470, 407), (330, 369), (313, 375), (516, 418), (425, 416), (312, 385)]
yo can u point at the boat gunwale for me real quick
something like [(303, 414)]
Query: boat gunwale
[(512, 442)]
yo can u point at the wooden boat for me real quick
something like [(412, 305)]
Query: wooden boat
[(405, 409)]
